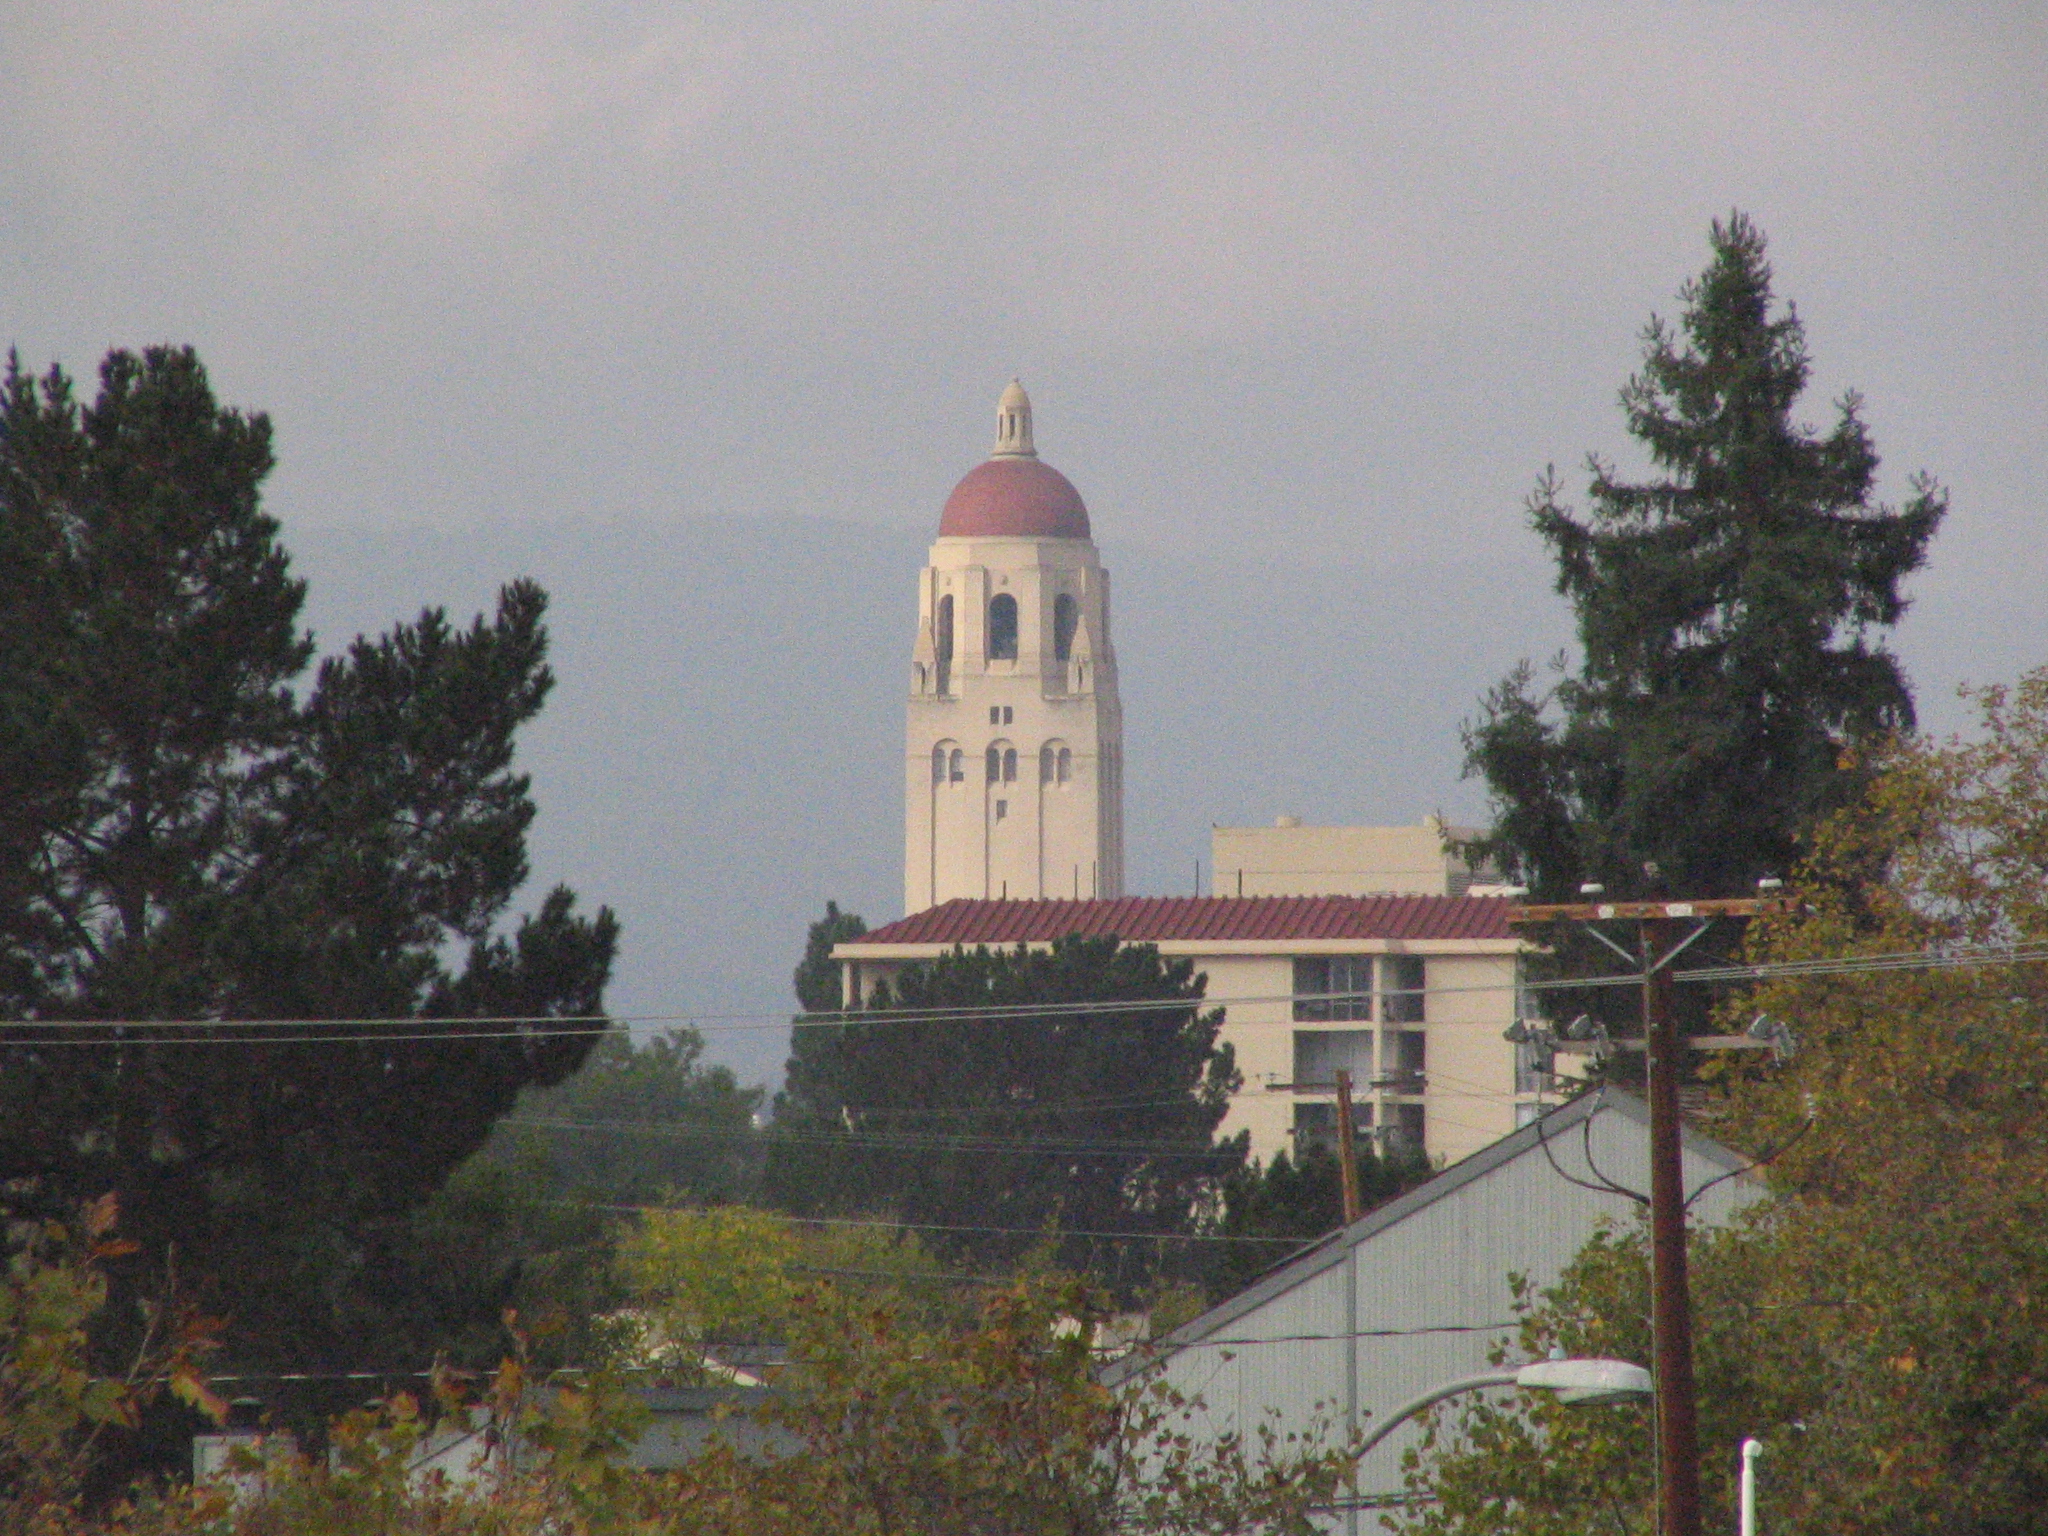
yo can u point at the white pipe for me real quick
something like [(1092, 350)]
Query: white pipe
[(1751, 1449)]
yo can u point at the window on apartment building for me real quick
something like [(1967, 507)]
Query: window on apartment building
[(1403, 1059), (1333, 987), (1401, 989), (1404, 1128), (1320, 1053), (1315, 1125)]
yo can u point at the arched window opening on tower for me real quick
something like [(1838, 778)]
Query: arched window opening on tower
[(994, 764), (956, 766), (939, 763), (1009, 765), (1055, 762), (1066, 614), (943, 643), (1002, 627)]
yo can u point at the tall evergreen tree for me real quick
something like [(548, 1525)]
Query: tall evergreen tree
[(531, 1221), (189, 833), (996, 1127), (1300, 1198), (1730, 611), (641, 1121), (817, 977)]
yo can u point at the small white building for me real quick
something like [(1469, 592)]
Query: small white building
[(1416, 1293), (1410, 994)]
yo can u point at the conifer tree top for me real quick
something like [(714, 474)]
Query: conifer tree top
[(1728, 608)]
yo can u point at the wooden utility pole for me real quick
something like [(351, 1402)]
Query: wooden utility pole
[(1670, 1288), (1347, 1148), (1658, 924)]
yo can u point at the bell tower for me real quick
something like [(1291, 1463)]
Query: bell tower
[(1013, 768)]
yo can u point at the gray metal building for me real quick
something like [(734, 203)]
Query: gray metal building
[(1415, 1293)]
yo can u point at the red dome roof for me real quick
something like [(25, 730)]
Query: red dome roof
[(1014, 498)]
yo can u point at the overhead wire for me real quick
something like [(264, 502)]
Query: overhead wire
[(487, 1025), (111, 1033), (930, 1226), (481, 1372), (905, 1141)]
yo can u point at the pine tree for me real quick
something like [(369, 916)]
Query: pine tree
[(1729, 617), (1302, 1199), (1000, 1127), (189, 833), (817, 977), (532, 1220)]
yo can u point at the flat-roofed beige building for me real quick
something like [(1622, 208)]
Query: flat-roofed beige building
[(1411, 994), (1289, 859)]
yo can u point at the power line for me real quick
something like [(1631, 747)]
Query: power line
[(1058, 1107), (1941, 957), (931, 1226), (535, 1027), (313, 1035), (907, 1141), (523, 1024), (1340, 1338), (479, 1373)]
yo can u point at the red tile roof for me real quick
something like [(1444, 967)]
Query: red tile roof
[(1151, 919)]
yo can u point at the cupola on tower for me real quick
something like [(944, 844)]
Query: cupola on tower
[(1014, 765)]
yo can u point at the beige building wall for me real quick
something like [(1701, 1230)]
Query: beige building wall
[(1013, 769), (1469, 1094), (1289, 859)]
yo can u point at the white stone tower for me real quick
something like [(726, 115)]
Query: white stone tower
[(1013, 782)]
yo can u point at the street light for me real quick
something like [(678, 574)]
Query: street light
[(1577, 1383)]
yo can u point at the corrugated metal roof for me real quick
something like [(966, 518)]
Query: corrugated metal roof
[(1153, 919), (1548, 1138)]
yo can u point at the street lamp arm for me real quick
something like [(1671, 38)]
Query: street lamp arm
[(1576, 1382), (1409, 1409)]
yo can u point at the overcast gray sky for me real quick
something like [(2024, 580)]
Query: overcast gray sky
[(696, 312)]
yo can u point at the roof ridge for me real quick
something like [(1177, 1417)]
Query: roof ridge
[(1320, 1254), (1157, 918)]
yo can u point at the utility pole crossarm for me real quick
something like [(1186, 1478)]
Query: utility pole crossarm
[(1604, 911)]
